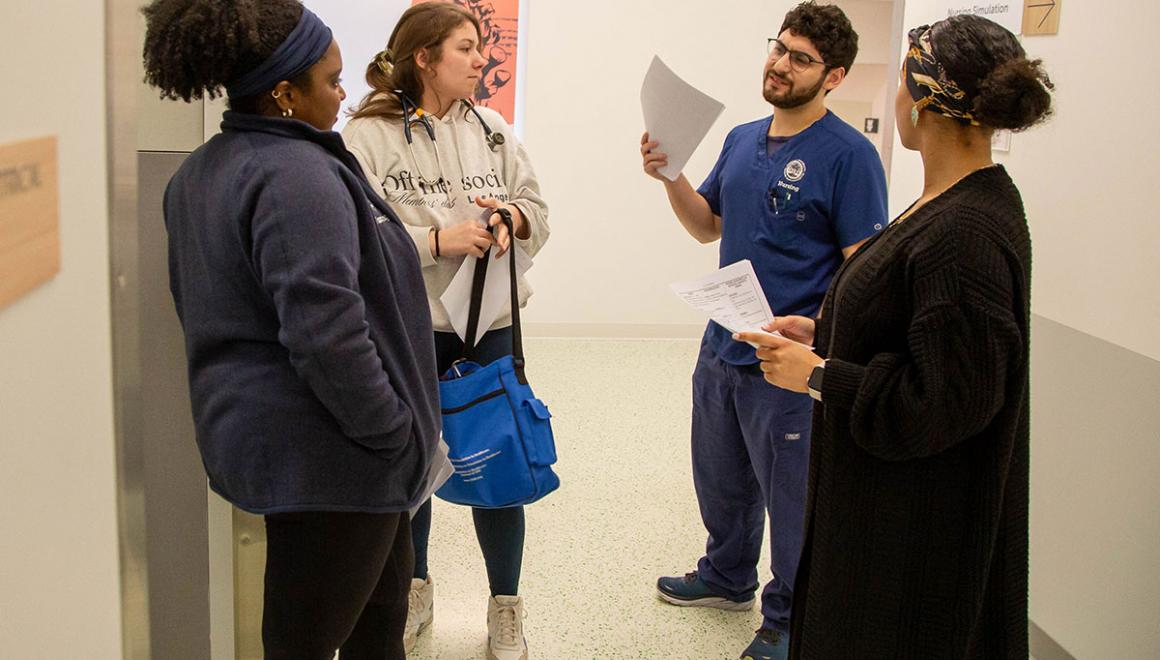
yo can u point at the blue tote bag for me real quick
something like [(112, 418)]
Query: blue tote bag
[(498, 433)]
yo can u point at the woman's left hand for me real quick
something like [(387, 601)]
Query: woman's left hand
[(786, 364), (502, 239)]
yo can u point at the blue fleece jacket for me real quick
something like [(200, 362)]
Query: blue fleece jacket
[(311, 359)]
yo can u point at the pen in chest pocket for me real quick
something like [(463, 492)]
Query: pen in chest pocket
[(779, 199)]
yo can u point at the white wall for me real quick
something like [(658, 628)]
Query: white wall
[(1087, 180), (59, 588), (874, 70), (361, 28)]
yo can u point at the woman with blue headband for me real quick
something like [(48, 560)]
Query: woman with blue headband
[(916, 518), (312, 407)]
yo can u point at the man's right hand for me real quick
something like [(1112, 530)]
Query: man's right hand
[(797, 328), (691, 208), (653, 160)]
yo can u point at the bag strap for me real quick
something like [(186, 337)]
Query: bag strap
[(479, 278), (476, 302)]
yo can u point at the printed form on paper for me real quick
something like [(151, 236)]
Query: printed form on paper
[(731, 296)]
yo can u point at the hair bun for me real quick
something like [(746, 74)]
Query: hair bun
[(1016, 95)]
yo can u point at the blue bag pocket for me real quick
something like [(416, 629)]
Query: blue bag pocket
[(543, 449)]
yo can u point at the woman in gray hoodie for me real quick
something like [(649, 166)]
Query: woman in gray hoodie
[(444, 163)]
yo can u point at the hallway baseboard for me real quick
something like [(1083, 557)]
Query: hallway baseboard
[(1043, 647), (615, 330)]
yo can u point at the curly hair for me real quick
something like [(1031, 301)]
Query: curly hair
[(828, 29), (987, 62), (193, 48)]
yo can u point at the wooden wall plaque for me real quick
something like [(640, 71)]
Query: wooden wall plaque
[(29, 217), (1041, 17)]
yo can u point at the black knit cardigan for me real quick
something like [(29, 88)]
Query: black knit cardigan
[(916, 518)]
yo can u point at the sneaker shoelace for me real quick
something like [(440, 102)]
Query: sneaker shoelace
[(769, 636), (508, 626)]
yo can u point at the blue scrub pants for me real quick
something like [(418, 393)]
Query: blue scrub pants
[(751, 449)]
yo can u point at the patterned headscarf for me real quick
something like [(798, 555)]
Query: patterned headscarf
[(928, 82)]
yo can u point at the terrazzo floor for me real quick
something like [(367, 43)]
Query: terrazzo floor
[(624, 514)]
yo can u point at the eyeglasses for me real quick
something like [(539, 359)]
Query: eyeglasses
[(799, 61)]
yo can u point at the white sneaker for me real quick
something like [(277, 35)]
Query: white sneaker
[(420, 610), (505, 628)]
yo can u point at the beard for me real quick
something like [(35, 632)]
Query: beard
[(791, 97)]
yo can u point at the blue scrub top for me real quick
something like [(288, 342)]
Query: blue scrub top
[(791, 212)]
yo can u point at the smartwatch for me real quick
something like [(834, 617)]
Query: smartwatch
[(814, 384)]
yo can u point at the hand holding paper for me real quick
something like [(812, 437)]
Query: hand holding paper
[(456, 298), (469, 237), (492, 219), (784, 362), (794, 328)]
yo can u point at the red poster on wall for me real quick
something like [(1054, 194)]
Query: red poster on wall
[(500, 21)]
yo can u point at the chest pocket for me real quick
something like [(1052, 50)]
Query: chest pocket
[(789, 223)]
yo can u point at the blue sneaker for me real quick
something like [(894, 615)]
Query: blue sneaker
[(767, 645), (691, 591)]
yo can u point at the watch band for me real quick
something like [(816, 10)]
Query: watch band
[(814, 384)]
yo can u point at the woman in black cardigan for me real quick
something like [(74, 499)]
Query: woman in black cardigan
[(916, 519)]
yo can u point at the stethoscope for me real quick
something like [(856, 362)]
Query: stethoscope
[(415, 115)]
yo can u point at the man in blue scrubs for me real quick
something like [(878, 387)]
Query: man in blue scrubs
[(795, 194)]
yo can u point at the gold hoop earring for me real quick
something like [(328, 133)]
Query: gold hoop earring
[(288, 113), (276, 94)]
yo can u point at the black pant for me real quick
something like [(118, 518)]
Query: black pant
[(336, 581), (501, 539)]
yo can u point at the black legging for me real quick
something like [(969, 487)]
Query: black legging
[(336, 581), (501, 539), (500, 531)]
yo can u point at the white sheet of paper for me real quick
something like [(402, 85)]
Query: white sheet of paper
[(496, 291), (731, 296), (438, 473), (676, 115)]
